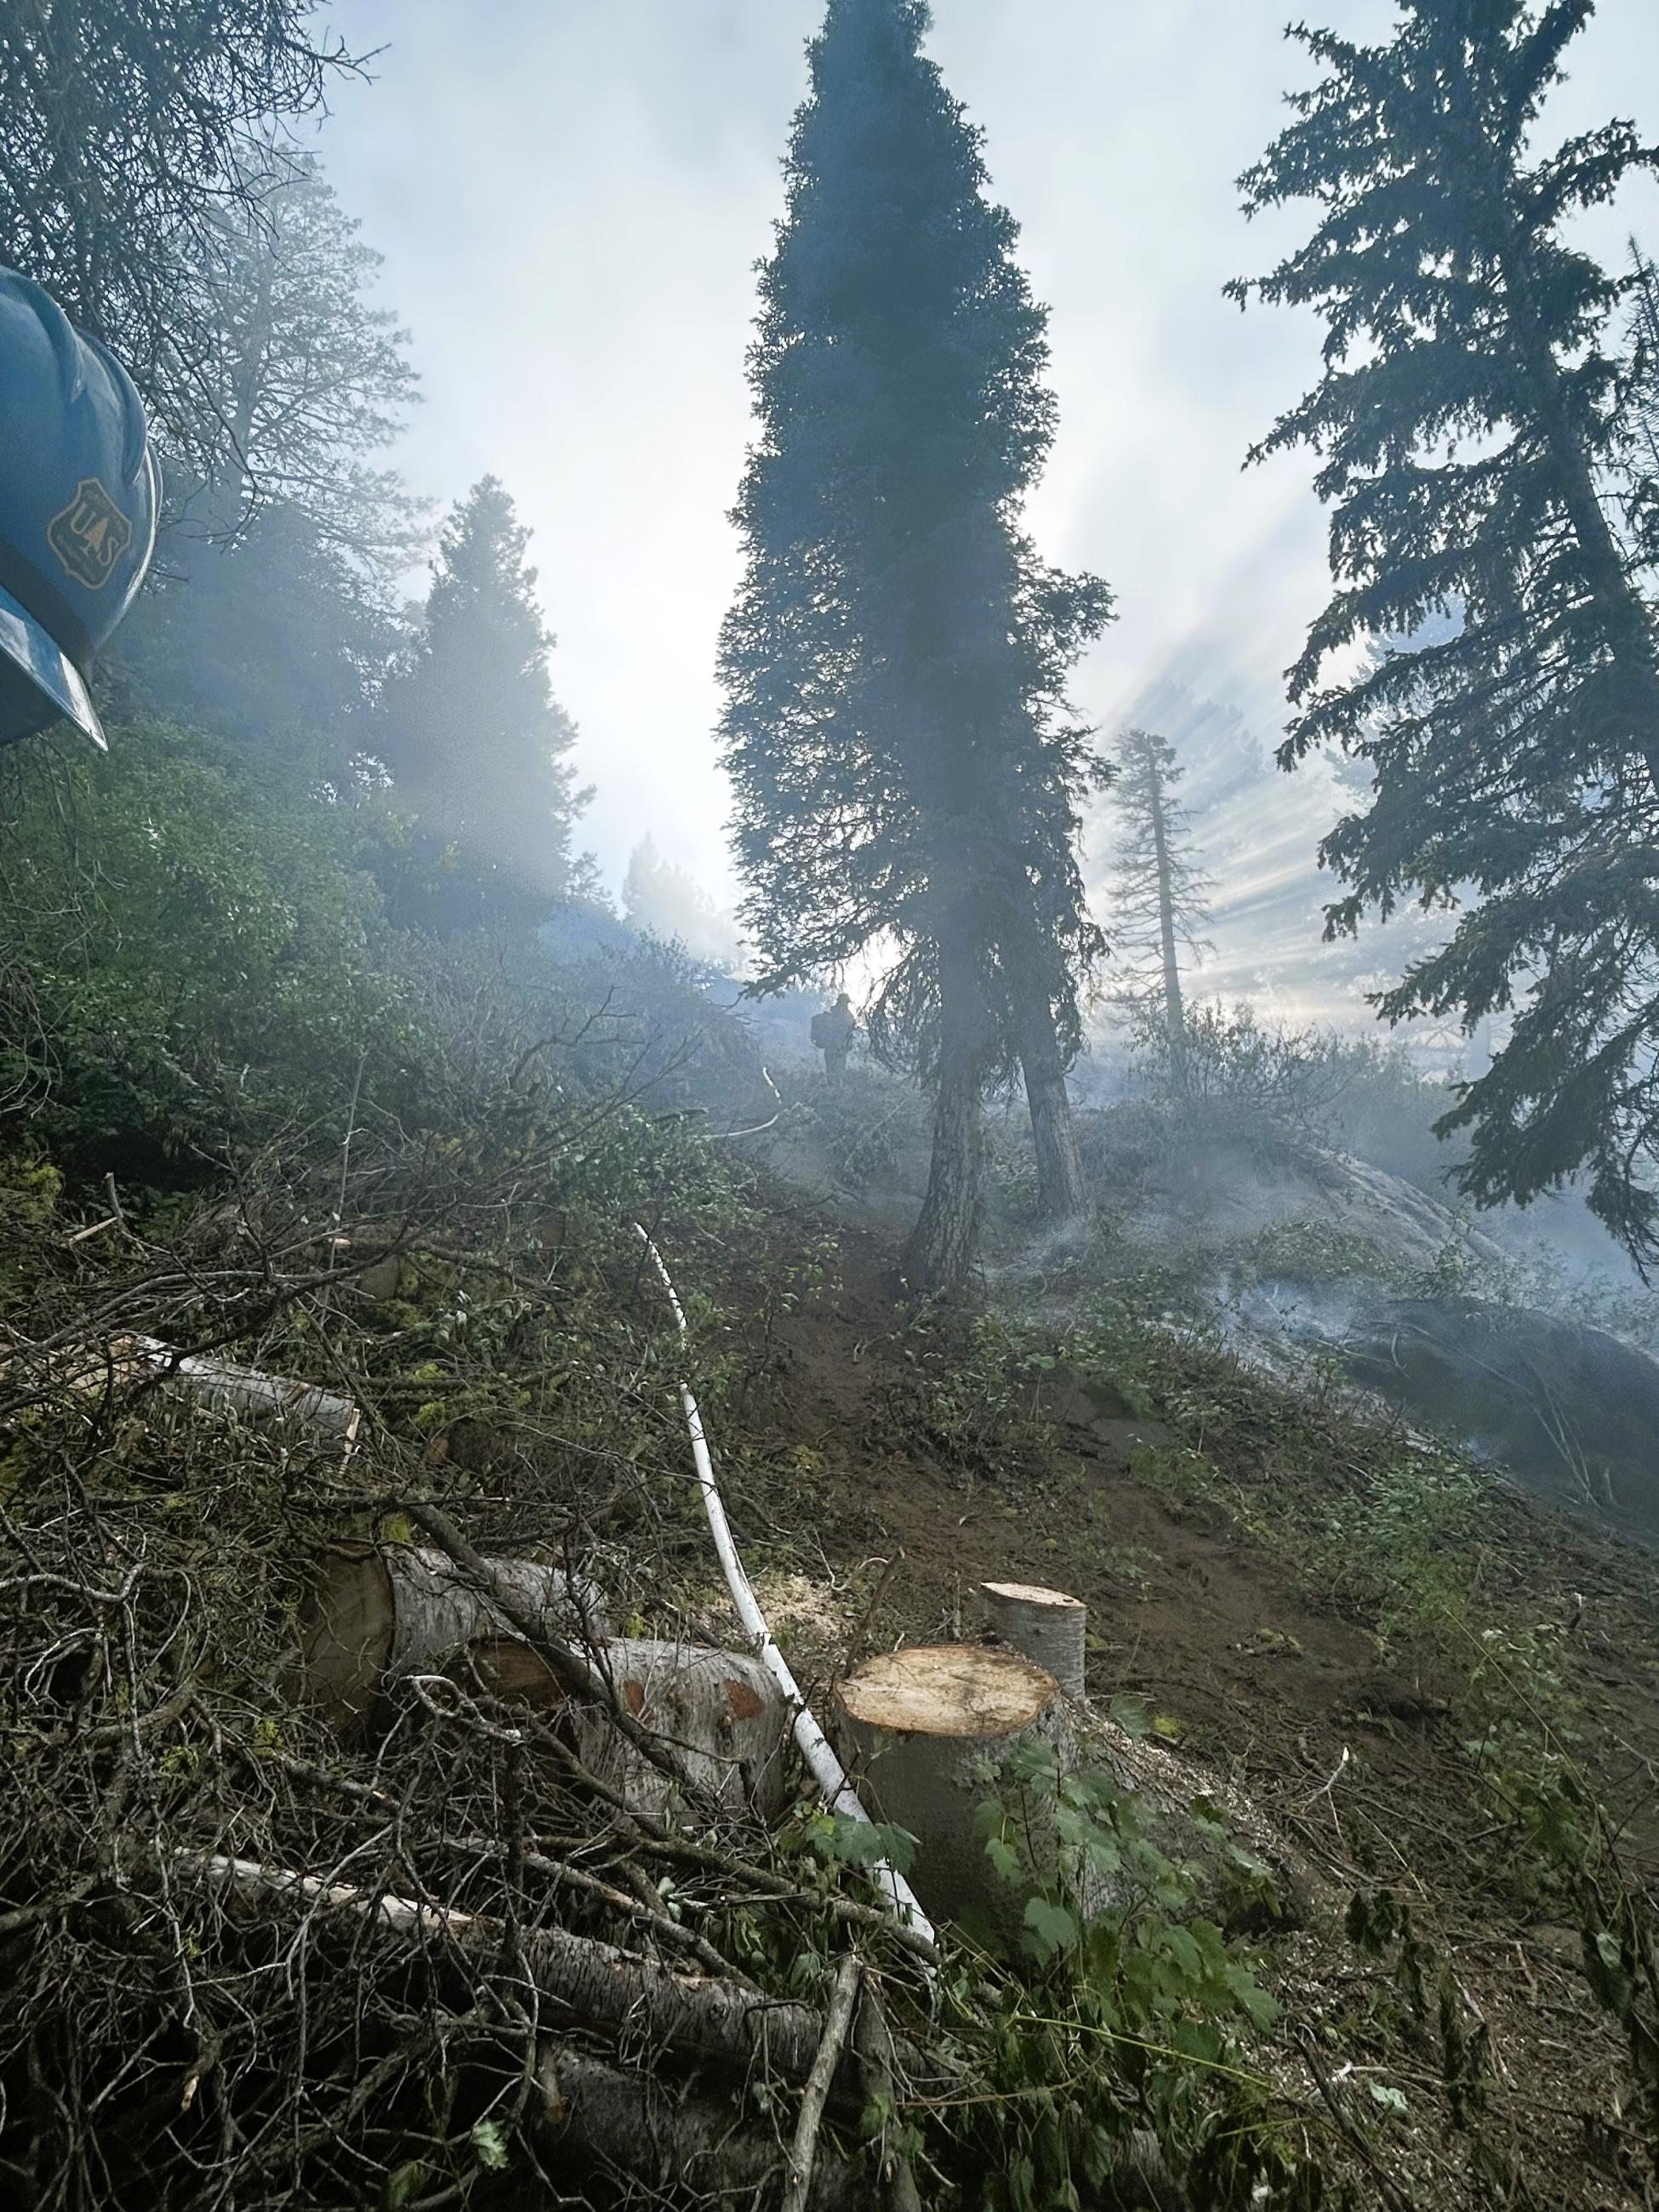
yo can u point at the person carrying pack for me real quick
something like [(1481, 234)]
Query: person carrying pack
[(833, 1031)]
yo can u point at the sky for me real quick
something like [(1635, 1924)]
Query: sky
[(571, 196)]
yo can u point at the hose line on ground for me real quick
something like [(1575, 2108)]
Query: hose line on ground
[(828, 1771)]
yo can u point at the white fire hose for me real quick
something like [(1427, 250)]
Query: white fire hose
[(828, 1771)]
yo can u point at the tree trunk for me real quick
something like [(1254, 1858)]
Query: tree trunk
[(1043, 1626), (1061, 1190), (683, 2146), (233, 487), (944, 1241), (725, 1716), (1175, 1014), (578, 1978), (122, 1360)]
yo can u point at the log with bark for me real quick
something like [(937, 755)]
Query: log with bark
[(577, 1979), (381, 1613), (124, 1360), (721, 1711), (681, 2141)]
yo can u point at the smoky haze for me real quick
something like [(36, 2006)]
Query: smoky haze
[(570, 201)]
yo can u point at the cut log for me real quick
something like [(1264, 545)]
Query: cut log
[(721, 1711), (126, 1359), (1043, 1626), (382, 1612), (919, 1727), (678, 2142)]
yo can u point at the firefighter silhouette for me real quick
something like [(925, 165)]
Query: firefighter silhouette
[(833, 1031)]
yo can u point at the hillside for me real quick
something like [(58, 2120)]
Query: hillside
[(1427, 1702)]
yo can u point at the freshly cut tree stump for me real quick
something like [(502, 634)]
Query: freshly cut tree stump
[(1043, 1626), (385, 1612), (917, 1727)]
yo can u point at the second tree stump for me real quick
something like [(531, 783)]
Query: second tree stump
[(1043, 1626)]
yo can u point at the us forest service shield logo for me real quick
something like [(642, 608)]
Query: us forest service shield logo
[(89, 535)]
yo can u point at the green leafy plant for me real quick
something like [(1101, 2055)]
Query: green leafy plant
[(1129, 2013)]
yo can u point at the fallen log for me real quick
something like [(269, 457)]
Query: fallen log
[(124, 1360), (596, 1984), (721, 1711), (674, 2138), (1043, 1626), (381, 1613), (574, 1667)]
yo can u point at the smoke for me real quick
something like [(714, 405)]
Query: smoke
[(668, 901)]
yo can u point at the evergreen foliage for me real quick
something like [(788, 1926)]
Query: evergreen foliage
[(189, 946), (667, 901), (1470, 420), (477, 745), (908, 773), (1642, 368), (275, 637)]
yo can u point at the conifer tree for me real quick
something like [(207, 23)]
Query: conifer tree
[(908, 774), (477, 745), (1470, 420), (666, 900), (301, 380), (1642, 369), (1158, 889)]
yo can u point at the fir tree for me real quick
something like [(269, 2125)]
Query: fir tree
[(301, 381), (1470, 420), (667, 900), (477, 745), (1641, 370), (1158, 890), (906, 772)]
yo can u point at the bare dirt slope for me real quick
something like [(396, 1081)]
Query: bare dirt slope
[(1353, 1734)]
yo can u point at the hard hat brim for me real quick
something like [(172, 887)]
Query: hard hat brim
[(33, 652)]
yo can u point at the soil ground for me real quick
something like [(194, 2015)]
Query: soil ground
[(1353, 1746)]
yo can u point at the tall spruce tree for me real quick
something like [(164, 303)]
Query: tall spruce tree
[(1471, 421), (907, 775), (1159, 891), (477, 745)]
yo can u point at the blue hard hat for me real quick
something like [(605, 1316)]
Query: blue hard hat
[(78, 494)]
